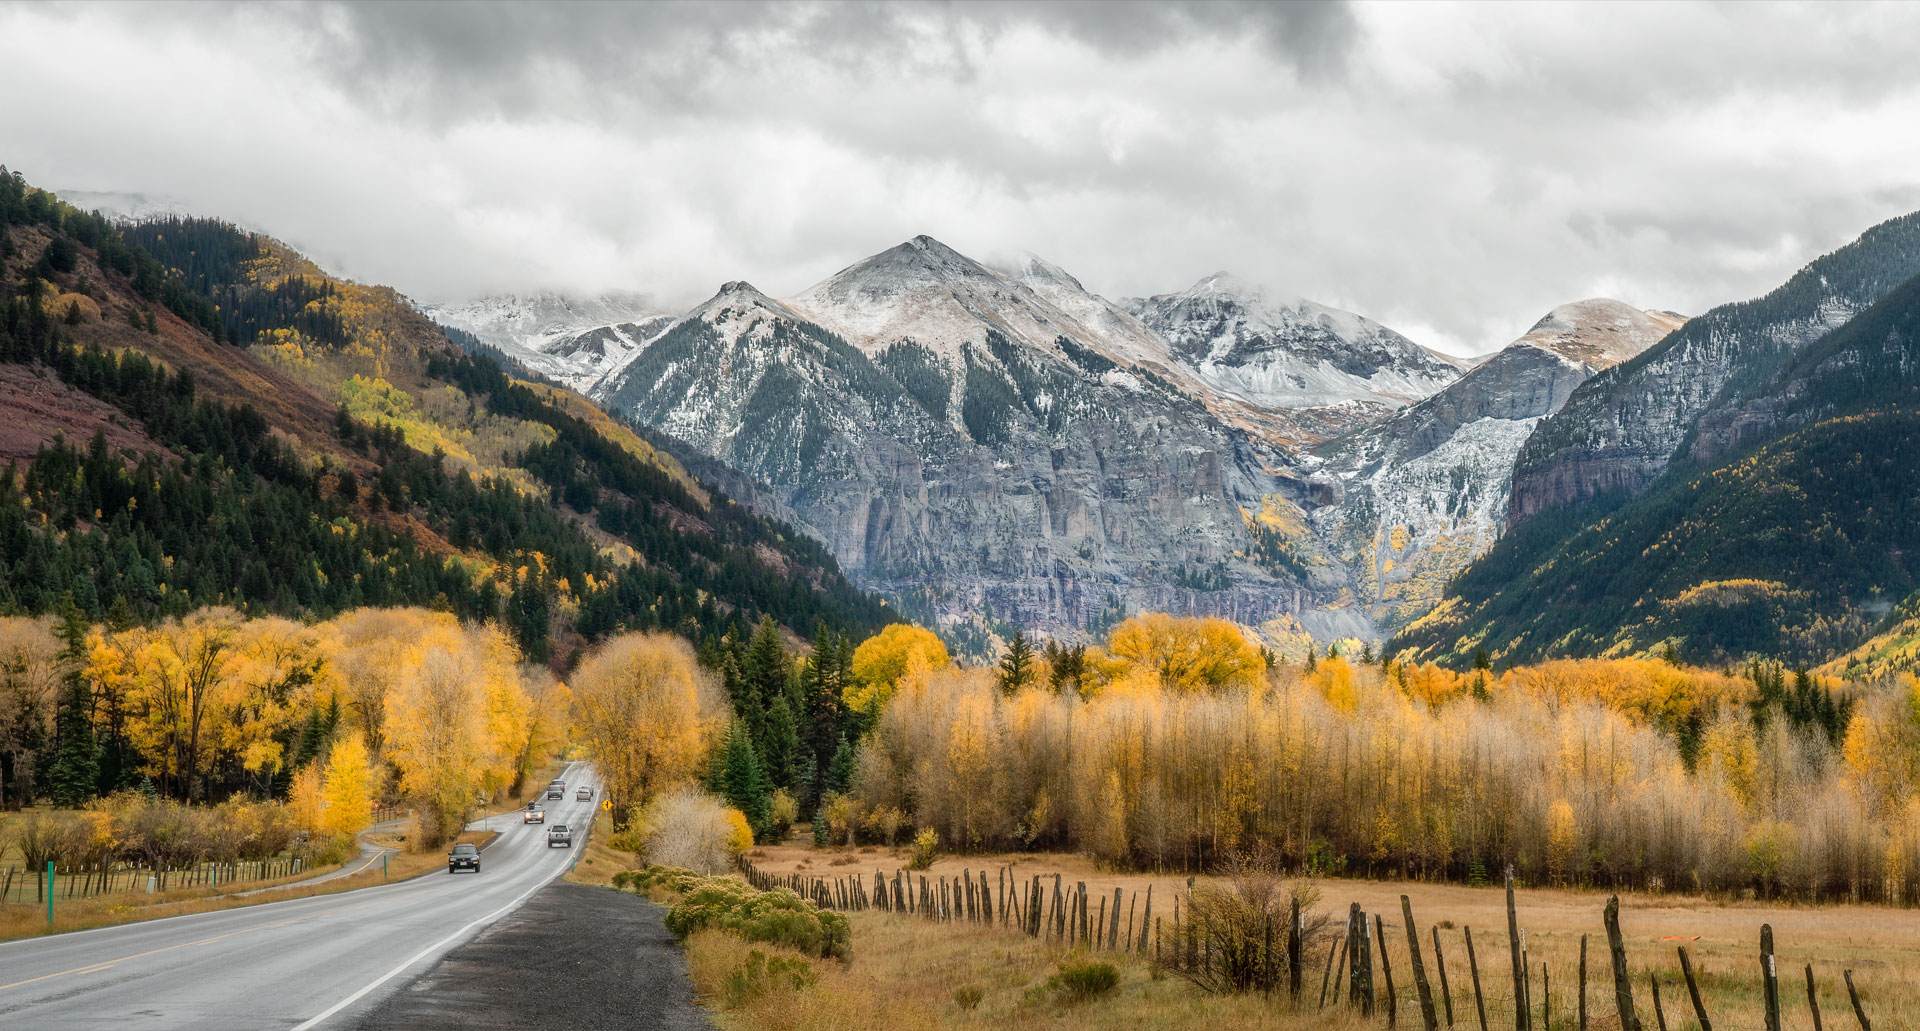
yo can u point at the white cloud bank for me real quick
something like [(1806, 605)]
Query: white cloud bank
[(1452, 171)]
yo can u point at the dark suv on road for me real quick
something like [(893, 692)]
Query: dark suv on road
[(463, 857)]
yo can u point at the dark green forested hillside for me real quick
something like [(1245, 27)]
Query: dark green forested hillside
[(267, 493), (1797, 544)]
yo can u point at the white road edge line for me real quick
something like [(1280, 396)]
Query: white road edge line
[(330, 1011)]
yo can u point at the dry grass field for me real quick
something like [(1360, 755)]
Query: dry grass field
[(909, 962)]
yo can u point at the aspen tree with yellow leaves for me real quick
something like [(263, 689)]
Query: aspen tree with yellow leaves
[(647, 714), (1590, 771), (346, 793), (883, 661)]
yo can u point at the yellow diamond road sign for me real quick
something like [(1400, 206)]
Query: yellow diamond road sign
[(606, 804)]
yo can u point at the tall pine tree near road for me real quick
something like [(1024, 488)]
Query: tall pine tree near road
[(76, 761)]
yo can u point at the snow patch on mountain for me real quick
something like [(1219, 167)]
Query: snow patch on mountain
[(1278, 352), (577, 341)]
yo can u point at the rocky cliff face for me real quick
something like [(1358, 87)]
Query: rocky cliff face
[(1621, 429), (1425, 492), (1002, 446), (966, 446)]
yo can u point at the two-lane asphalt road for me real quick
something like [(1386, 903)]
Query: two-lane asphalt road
[(302, 963)]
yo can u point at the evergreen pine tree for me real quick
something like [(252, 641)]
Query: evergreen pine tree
[(1016, 666), (840, 773), (782, 743), (739, 778), (763, 670), (1313, 662), (75, 770)]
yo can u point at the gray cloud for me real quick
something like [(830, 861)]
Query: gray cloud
[(1452, 170)]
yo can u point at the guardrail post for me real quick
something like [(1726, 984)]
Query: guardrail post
[(49, 893)]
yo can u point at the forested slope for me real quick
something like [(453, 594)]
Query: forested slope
[(202, 417), (1792, 534)]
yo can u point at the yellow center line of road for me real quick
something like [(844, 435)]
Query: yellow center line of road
[(94, 968)]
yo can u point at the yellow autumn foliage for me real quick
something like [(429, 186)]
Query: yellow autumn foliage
[(881, 662)]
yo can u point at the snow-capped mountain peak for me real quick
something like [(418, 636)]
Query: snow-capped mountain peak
[(924, 291), (1252, 343), (739, 308)]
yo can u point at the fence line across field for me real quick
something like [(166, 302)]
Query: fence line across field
[(1274, 961), (20, 886)]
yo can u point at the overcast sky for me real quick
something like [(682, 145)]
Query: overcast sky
[(1451, 171)]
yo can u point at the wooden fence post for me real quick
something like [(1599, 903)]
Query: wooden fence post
[(1293, 949), (1770, 982), (1360, 959), (1520, 1013), (1327, 977), (1428, 1017), (1583, 983), (1473, 969), (1813, 1001), (1440, 965), (1345, 967), (1546, 999), (1854, 997), (1386, 971), (1693, 991), (1622, 988), (1113, 929), (1659, 1011), (1146, 917)]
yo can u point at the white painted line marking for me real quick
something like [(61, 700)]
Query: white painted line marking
[(320, 1018)]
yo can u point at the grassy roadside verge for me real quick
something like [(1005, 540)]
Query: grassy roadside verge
[(598, 863), (762, 968), (30, 921)]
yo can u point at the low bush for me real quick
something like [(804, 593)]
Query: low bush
[(926, 847), (693, 829), (777, 917), (762, 975), (1079, 980), (969, 996)]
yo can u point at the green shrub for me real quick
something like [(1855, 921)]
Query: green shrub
[(762, 975), (926, 846), (968, 996), (777, 917), (1079, 980), (782, 813)]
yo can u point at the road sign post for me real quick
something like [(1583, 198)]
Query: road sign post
[(383, 864), (49, 893)]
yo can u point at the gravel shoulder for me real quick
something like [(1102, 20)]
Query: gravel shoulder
[(572, 957)]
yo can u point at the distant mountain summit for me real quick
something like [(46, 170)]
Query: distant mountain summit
[(573, 340), (1276, 352)]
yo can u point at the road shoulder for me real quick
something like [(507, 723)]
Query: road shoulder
[(572, 957)]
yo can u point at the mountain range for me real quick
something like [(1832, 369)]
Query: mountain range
[(996, 446)]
